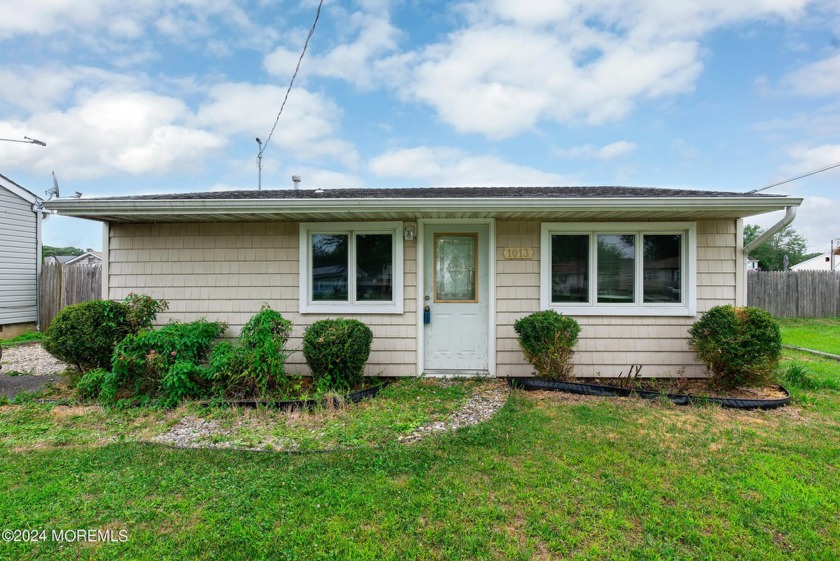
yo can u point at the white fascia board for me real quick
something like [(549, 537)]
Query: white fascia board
[(16, 189), (92, 208)]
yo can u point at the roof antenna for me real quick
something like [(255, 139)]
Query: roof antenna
[(259, 165), (296, 181)]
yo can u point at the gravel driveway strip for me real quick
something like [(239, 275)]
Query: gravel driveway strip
[(38, 365)]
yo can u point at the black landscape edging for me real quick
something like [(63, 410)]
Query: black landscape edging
[(679, 399), (294, 404)]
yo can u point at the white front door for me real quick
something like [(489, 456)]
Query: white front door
[(456, 284)]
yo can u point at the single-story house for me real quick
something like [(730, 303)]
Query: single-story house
[(441, 274), (819, 263), (20, 258), (86, 258)]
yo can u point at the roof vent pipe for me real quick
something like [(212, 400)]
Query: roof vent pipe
[(296, 181)]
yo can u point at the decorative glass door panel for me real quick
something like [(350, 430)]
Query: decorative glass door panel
[(456, 264)]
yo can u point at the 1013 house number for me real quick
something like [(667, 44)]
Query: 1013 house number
[(518, 252)]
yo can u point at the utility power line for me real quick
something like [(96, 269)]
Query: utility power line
[(263, 145), (826, 168)]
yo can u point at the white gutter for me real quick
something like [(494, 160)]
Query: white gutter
[(102, 207), (790, 214)]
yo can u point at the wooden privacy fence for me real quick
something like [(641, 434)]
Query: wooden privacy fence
[(802, 294), (66, 285)]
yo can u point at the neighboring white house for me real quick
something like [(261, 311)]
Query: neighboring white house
[(818, 263), (20, 258), (636, 267), (87, 258)]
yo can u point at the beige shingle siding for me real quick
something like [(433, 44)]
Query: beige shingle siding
[(225, 272), (610, 344)]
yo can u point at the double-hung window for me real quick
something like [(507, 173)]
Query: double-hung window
[(351, 267), (619, 268)]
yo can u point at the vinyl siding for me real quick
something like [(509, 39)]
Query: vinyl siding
[(18, 260), (225, 272), (610, 344)]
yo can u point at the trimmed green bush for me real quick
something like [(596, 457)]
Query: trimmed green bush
[(336, 351), (164, 364), (741, 346), (256, 364), (84, 335), (548, 340)]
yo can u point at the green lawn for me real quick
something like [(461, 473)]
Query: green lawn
[(551, 476), (818, 334)]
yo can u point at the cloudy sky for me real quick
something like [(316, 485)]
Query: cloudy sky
[(161, 96)]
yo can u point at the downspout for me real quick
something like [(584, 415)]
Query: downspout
[(38, 209), (790, 214)]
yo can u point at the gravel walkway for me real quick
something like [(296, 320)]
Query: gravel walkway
[(30, 359), (37, 365), (486, 400)]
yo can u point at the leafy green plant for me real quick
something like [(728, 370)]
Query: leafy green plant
[(85, 335), (256, 364), (741, 346), (164, 363), (142, 310), (548, 340), (336, 351), (90, 384)]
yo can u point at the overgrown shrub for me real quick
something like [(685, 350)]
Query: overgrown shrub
[(163, 364), (142, 311), (89, 385), (336, 351), (256, 364), (548, 340), (741, 346), (84, 335)]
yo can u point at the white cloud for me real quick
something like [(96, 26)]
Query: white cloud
[(122, 30), (306, 128), (445, 166), (514, 64), (821, 78), (608, 152), (112, 132), (811, 158), (355, 61)]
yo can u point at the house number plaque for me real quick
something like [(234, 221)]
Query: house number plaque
[(518, 252)]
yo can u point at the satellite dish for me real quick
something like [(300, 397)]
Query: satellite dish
[(54, 192)]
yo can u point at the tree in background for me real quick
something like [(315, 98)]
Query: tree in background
[(771, 254), (50, 251)]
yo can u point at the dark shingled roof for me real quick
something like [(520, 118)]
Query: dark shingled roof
[(445, 193)]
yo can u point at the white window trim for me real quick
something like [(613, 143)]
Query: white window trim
[(307, 306), (688, 273)]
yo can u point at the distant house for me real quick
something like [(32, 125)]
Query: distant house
[(87, 258), (819, 263), (20, 263), (752, 264)]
